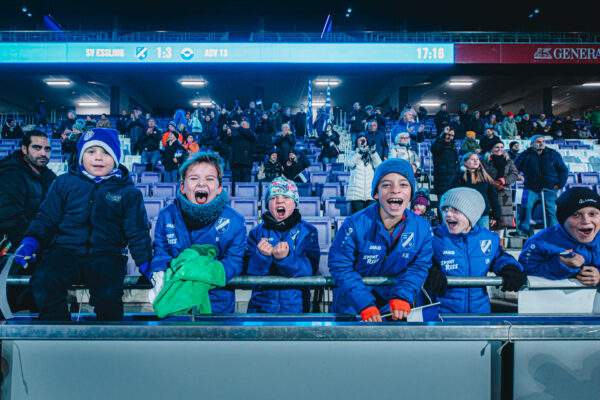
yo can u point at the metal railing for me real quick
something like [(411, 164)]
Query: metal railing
[(302, 37)]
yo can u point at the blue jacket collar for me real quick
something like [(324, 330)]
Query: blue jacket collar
[(567, 236)]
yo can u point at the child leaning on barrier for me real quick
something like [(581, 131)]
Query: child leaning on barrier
[(90, 215), (462, 248), (384, 239), (200, 215), (570, 249), (284, 245)]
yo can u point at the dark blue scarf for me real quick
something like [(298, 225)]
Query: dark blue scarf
[(198, 216)]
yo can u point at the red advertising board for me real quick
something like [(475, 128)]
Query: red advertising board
[(531, 53)]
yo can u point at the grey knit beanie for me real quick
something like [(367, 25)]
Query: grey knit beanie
[(466, 200)]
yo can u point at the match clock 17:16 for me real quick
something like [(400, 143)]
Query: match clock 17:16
[(430, 53), (164, 52)]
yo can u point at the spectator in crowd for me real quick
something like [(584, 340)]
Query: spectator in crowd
[(498, 112), (489, 140), (294, 166), (476, 124), (559, 135), (222, 120), (265, 132), (403, 150), (509, 126), (584, 133), (179, 119), (173, 157), (441, 119), (171, 128), (541, 126), (69, 143), (103, 122), (40, 112), (462, 248), (370, 114), (408, 125), (381, 120), (377, 138), (570, 128), (191, 146), (320, 122), (242, 144), (525, 127), (11, 130), (457, 125), (545, 173), (421, 206), (287, 118), (236, 115), (284, 245), (299, 122), (473, 175), (65, 125), (470, 144), (209, 132), (285, 141), (200, 216), (122, 123), (150, 144), (223, 146), (557, 125), (513, 150), (362, 163), (196, 126), (503, 171), (329, 142), (445, 161), (422, 114), (571, 248), (275, 116), (252, 114), (136, 126), (79, 241), (90, 123), (593, 117), (358, 119), (465, 117), (384, 231), (23, 187), (272, 168)]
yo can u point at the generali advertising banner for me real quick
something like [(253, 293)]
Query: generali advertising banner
[(531, 53)]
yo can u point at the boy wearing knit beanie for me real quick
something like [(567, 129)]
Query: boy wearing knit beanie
[(384, 239), (285, 245), (90, 215), (570, 249), (462, 248)]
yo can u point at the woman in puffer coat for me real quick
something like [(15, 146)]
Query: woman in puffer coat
[(503, 171), (403, 150), (363, 162)]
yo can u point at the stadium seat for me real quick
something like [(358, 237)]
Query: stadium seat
[(338, 223), (153, 207), (248, 207), (341, 176), (251, 222), (572, 178), (592, 178), (150, 177), (589, 186), (323, 225), (165, 190), (336, 207), (325, 190), (227, 187), (144, 188), (304, 189), (309, 206), (319, 177), (246, 189), (138, 168)]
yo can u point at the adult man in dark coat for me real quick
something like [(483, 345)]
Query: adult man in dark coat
[(445, 161), (299, 122), (377, 138), (136, 125), (242, 144), (442, 118)]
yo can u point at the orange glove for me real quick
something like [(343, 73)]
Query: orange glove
[(369, 312), (397, 304)]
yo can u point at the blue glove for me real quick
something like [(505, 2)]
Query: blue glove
[(26, 251), (145, 269)]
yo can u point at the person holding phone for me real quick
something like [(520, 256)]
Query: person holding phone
[(362, 163), (570, 249)]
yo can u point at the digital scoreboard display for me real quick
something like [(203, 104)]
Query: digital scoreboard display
[(327, 53)]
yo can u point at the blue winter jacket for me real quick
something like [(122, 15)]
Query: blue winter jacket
[(542, 171), (227, 234), (363, 247), (303, 260), (540, 255), (94, 218), (471, 254)]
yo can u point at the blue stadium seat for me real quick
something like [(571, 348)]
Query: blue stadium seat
[(304, 189), (227, 187), (338, 222), (324, 190), (592, 178), (138, 168), (323, 225), (150, 177), (572, 177), (589, 186), (153, 207), (246, 189), (144, 188), (251, 222), (309, 206), (341, 176), (319, 177), (337, 207), (248, 207), (164, 190)]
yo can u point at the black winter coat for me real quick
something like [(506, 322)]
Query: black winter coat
[(357, 124), (21, 192), (15, 133), (151, 142), (329, 145), (94, 218), (272, 170), (487, 190), (445, 164), (441, 120), (171, 151), (284, 145), (64, 125), (299, 122), (378, 139), (265, 133), (242, 152), (292, 171)]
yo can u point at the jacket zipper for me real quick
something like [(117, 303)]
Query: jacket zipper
[(89, 220), (468, 274)]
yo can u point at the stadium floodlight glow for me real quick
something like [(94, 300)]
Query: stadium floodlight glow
[(87, 103), (324, 82), (29, 15), (24, 9), (58, 82), (318, 103), (430, 103), (460, 83), (192, 82), (349, 10), (202, 103), (591, 84)]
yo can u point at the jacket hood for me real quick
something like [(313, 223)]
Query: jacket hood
[(16, 160), (125, 178)]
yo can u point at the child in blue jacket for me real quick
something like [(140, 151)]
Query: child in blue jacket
[(570, 249), (90, 215), (384, 239), (282, 245), (462, 248), (200, 215)]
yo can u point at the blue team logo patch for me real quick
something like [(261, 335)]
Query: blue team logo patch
[(222, 225), (407, 240), (486, 246)]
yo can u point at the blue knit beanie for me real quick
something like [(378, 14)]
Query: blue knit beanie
[(394, 165), (108, 139)]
